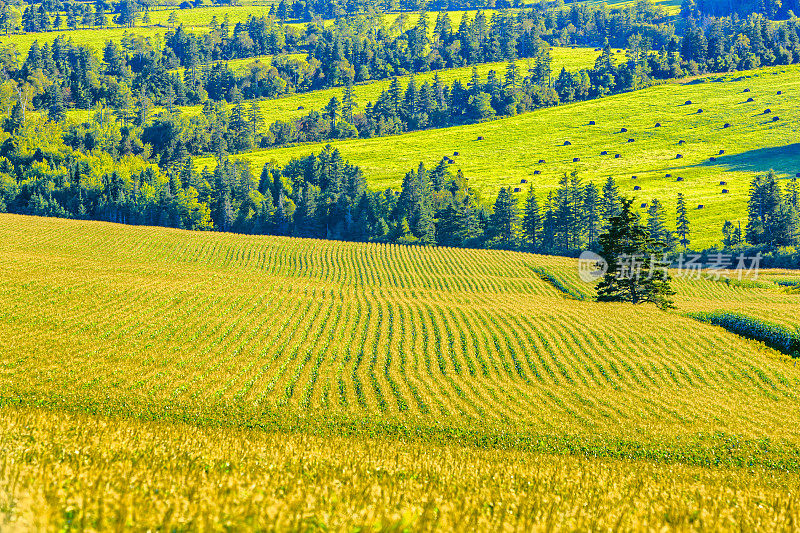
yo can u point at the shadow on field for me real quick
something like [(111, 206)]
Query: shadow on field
[(781, 159)]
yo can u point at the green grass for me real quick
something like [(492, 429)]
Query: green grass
[(288, 107), (513, 146)]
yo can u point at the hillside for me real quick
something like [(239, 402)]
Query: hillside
[(192, 348), (512, 147)]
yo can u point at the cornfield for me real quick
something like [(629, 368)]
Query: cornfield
[(165, 354)]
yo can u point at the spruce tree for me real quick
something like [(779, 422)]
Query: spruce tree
[(682, 222), (504, 221), (532, 220), (631, 253)]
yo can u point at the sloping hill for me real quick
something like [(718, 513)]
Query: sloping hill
[(512, 147), (267, 331)]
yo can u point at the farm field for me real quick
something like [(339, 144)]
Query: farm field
[(289, 107), (512, 147), (116, 336), (250, 479)]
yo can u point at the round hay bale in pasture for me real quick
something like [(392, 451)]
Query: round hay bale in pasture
[(541, 161), (637, 188), (726, 125), (667, 175), (767, 111), (617, 156), (537, 172), (516, 189), (688, 102), (750, 99), (721, 152), (623, 130), (712, 158), (700, 110), (591, 122), (634, 177), (631, 140), (644, 204), (679, 178), (480, 138), (523, 181), (723, 182), (775, 119), (604, 152), (746, 90), (724, 191), (681, 142), (300, 108), (678, 156), (701, 206), (658, 124), (456, 154), (576, 159), (780, 93), (567, 143)]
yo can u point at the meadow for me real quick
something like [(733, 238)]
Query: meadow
[(648, 167), (298, 105)]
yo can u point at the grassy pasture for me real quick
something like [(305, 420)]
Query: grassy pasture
[(513, 146), (289, 107)]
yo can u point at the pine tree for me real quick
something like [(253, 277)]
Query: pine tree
[(348, 102), (255, 118), (682, 222), (532, 220), (657, 226), (610, 202), (504, 221), (632, 274)]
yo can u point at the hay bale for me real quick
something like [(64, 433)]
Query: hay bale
[(456, 154), (576, 159), (723, 182), (450, 162), (644, 204), (701, 206), (779, 93), (712, 158), (591, 122), (699, 110), (750, 99), (623, 130), (746, 91), (775, 119), (637, 188), (681, 142), (658, 124), (724, 191), (300, 108), (631, 140), (767, 111), (541, 161), (667, 175), (567, 143), (480, 138), (523, 181), (516, 189), (679, 178), (721, 152), (678, 156), (688, 102), (537, 172), (617, 156), (726, 125), (634, 177), (604, 152)]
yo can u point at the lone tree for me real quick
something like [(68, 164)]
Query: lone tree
[(636, 270)]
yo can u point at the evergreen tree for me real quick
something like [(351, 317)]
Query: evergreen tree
[(656, 224), (633, 275), (504, 221), (532, 220), (682, 222)]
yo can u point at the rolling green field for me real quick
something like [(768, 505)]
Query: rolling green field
[(147, 343), (289, 107), (512, 147)]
